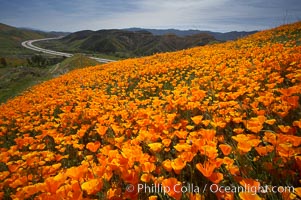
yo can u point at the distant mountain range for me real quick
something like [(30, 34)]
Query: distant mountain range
[(125, 43), (129, 42), (233, 35), (133, 42), (50, 33)]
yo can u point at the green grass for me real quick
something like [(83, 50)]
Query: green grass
[(75, 62), (294, 36), (16, 79), (18, 75), (58, 45), (11, 38)]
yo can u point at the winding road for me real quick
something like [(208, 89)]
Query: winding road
[(28, 44)]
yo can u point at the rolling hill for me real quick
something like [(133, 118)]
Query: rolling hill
[(15, 80), (206, 118), (232, 35), (124, 43), (11, 38)]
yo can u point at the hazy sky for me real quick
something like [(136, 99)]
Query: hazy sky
[(215, 15)]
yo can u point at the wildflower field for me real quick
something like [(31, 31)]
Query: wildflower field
[(224, 115)]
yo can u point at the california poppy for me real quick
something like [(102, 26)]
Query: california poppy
[(101, 130), (93, 146), (226, 149), (92, 186), (148, 167), (167, 165), (248, 196), (172, 187), (206, 169), (155, 147), (197, 119), (177, 165)]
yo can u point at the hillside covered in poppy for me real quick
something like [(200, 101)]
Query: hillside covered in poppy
[(224, 115)]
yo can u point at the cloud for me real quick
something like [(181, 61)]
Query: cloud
[(218, 15)]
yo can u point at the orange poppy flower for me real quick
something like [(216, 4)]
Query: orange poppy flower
[(172, 187), (293, 101), (146, 177), (249, 183), (220, 138), (225, 195), (101, 130), (189, 127), (153, 197), (284, 129), (197, 119), (53, 183), (270, 121), (178, 164), (148, 167), (81, 132), (238, 130), (237, 120), (206, 169), (255, 124), (226, 149), (297, 123), (234, 170), (4, 156), (18, 182), (298, 191), (113, 193), (92, 186), (167, 165), (3, 175), (13, 167), (93, 146), (285, 150), (228, 161), (76, 172), (196, 196), (166, 142), (206, 122), (155, 147), (246, 142), (264, 150), (181, 134), (187, 156), (248, 196), (32, 189), (270, 137), (208, 134), (244, 147), (118, 130), (289, 91), (216, 177), (182, 147), (209, 150)]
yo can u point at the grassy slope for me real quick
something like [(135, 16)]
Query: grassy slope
[(124, 43), (15, 80), (11, 38), (17, 76), (11, 49), (58, 45), (227, 114), (76, 62)]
